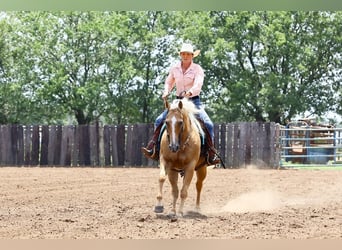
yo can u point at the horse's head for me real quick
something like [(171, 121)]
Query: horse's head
[(174, 124)]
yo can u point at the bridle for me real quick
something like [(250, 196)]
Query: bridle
[(186, 142)]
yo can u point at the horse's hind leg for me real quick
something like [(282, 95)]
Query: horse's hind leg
[(201, 174), (159, 208)]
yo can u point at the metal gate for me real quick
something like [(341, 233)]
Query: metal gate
[(305, 144)]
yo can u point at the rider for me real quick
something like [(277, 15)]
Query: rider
[(188, 78)]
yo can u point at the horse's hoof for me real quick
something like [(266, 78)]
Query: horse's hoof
[(173, 217), (158, 209)]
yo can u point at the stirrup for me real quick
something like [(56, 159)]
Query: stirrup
[(215, 160)]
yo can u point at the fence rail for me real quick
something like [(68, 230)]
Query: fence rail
[(239, 144), (308, 146)]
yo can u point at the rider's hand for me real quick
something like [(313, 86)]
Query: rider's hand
[(188, 93), (165, 94)]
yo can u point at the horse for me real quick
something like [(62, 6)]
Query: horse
[(180, 152)]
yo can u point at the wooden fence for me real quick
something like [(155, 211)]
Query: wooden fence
[(239, 144)]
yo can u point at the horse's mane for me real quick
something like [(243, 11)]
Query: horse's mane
[(190, 108)]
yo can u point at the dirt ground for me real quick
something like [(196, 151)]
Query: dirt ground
[(117, 203)]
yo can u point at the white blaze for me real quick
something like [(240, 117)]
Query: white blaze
[(173, 126)]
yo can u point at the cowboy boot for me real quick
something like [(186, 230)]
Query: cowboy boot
[(212, 157), (152, 150)]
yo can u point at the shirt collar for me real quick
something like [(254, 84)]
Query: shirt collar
[(179, 65)]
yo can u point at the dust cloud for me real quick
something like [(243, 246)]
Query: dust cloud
[(257, 201), (260, 193)]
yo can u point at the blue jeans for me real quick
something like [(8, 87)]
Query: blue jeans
[(202, 114)]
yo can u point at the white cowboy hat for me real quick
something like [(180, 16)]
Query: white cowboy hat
[(187, 47)]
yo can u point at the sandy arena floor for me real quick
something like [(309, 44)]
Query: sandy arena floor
[(117, 203)]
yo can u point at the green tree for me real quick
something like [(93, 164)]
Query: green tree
[(3, 73), (14, 97), (74, 62), (84, 67), (277, 64), (153, 49)]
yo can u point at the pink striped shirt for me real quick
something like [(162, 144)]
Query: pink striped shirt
[(191, 80)]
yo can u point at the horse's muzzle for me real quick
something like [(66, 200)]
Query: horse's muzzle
[(174, 147)]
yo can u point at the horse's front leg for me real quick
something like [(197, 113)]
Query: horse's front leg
[(173, 178), (159, 208), (184, 191)]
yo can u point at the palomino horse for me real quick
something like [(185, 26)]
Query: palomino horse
[(180, 149)]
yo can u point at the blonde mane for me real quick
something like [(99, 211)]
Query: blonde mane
[(190, 108)]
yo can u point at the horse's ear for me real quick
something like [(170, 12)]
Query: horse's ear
[(180, 105), (166, 103)]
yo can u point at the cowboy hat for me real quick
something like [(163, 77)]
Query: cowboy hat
[(187, 47)]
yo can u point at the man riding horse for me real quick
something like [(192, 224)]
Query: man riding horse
[(187, 77)]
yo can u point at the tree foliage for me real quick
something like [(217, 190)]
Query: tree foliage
[(85, 67), (276, 64)]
